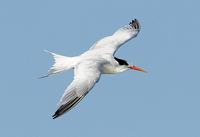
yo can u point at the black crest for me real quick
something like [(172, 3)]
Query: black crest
[(121, 61)]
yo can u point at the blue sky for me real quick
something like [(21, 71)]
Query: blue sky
[(162, 103)]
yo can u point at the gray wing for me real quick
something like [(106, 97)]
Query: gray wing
[(86, 75), (111, 43)]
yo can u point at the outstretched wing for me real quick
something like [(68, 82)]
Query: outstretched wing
[(86, 75), (111, 43)]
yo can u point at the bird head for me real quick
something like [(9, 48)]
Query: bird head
[(125, 65)]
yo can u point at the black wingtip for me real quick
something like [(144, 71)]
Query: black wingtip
[(56, 114), (135, 23), (66, 107)]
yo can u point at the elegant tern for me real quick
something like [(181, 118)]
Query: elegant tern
[(89, 66)]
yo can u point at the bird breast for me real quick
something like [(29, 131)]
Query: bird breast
[(110, 69)]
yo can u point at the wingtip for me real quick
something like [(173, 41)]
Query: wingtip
[(135, 23), (55, 116), (66, 107), (58, 113)]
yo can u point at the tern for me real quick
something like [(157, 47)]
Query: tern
[(89, 66)]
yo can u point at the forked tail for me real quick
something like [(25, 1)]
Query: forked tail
[(62, 63)]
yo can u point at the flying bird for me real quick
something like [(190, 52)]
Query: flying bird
[(89, 66)]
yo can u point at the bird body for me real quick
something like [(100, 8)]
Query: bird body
[(89, 66)]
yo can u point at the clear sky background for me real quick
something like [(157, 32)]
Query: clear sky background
[(162, 103)]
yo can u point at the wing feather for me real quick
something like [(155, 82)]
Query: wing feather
[(86, 75), (111, 43)]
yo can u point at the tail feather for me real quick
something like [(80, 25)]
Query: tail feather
[(62, 63)]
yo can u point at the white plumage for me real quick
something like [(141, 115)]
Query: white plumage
[(89, 66)]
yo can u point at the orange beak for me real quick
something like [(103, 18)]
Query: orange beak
[(139, 69)]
